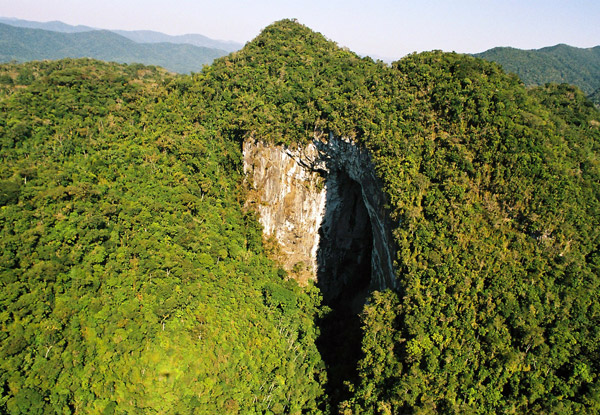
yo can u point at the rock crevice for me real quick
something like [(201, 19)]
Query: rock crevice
[(325, 207)]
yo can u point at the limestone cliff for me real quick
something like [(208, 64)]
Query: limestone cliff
[(324, 206), (290, 200)]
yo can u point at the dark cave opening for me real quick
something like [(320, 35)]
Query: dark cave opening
[(344, 278)]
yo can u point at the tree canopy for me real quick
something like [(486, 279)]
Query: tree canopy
[(134, 280)]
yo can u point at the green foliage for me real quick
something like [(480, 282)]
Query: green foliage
[(556, 64), (132, 280), (497, 194), (23, 44), (9, 192), (595, 97)]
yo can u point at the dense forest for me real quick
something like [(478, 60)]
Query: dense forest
[(557, 64), (138, 36), (135, 279), (25, 44)]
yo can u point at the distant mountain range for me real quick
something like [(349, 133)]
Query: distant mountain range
[(149, 36), (452, 267), (139, 36), (54, 26), (559, 64), (22, 40)]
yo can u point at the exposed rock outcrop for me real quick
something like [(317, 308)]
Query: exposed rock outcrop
[(290, 200), (324, 205)]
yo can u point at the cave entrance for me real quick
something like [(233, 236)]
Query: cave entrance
[(344, 278)]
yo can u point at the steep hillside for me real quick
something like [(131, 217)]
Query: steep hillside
[(595, 97), (132, 281), (496, 198), (558, 64), (498, 257), (135, 278), (23, 45)]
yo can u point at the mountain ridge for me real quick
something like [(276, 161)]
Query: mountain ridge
[(136, 277), (560, 63), (53, 26), (138, 36), (150, 36), (22, 44)]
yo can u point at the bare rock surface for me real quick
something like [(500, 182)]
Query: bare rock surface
[(325, 207)]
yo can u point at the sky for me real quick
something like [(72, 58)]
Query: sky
[(387, 29)]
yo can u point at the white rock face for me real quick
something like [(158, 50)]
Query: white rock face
[(324, 206), (290, 200)]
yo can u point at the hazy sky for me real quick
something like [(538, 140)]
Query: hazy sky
[(383, 28)]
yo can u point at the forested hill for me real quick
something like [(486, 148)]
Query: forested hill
[(558, 64), (24, 44), (139, 36), (134, 280), (53, 26)]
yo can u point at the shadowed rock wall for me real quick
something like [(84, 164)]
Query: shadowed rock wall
[(324, 205)]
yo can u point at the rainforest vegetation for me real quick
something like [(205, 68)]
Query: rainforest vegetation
[(24, 44), (135, 279), (557, 64)]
